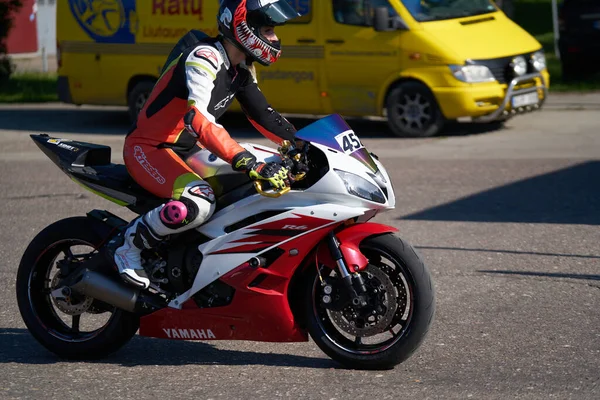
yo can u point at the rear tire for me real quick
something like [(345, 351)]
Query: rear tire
[(137, 98), (360, 355), (38, 307)]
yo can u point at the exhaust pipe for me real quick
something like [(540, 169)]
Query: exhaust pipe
[(103, 288)]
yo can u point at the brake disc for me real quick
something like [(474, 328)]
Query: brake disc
[(74, 304), (381, 290)]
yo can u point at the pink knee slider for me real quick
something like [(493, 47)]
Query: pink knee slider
[(173, 213)]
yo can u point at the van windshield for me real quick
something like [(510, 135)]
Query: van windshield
[(435, 10)]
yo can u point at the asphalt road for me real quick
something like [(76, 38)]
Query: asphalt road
[(507, 220)]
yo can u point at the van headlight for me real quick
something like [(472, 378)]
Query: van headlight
[(519, 65), (472, 73), (360, 187), (538, 60)]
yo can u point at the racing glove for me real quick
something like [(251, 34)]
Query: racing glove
[(276, 174)]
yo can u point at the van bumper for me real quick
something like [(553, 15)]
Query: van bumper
[(63, 89), (487, 103)]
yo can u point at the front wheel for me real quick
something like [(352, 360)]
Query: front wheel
[(70, 325), (412, 111), (394, 322)]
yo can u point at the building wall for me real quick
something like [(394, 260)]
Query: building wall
[(34, 28), (46, 25), (23, 37)]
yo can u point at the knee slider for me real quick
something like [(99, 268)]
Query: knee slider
[(174, 214)]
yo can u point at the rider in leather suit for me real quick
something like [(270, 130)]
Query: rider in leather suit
[(196, 87)]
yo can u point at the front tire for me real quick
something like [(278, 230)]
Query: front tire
[(71, 239), (411, 304), (412, 111)]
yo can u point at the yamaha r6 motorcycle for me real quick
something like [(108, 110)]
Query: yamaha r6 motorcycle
[(274, 268)]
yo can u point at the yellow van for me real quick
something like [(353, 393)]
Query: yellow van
[(418, 63)]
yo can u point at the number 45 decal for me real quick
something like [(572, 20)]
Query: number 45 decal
[(348, 142)]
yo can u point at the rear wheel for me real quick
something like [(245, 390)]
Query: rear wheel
[(138, 97), (70, 325), (399, 311)]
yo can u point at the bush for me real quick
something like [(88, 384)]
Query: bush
[(7, 10)]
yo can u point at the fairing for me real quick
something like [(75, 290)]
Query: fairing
[(327, 131), (259, 311)]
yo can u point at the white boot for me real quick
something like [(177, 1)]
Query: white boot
[(156, 225), (128, 257)]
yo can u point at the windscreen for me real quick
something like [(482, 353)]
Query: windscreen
[(333, 132), (435, 10)]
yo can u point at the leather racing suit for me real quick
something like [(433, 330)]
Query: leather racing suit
[(196, 87)]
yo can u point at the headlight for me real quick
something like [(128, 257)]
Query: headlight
[(538, 60), (519, 65), (357, 186), (472, 73)]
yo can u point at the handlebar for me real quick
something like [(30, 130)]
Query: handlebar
[(270, 193)]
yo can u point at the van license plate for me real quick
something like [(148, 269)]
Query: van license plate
[(525, 100)]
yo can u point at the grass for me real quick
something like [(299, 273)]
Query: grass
[(29, 88)]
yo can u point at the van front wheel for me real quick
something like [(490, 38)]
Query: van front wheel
[(412, 111)]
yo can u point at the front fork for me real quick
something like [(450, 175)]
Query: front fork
[(353, 282)]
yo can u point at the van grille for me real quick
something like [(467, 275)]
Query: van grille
[(501, 68)]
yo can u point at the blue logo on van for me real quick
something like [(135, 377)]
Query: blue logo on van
[(107, 21)]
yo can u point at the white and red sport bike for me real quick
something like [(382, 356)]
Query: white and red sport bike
[(262, 268)]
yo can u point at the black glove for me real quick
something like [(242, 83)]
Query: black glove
[(298, 155)]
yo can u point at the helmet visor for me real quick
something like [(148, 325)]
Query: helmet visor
[(273, 14)]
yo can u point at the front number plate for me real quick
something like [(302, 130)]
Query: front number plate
[(525, 100)]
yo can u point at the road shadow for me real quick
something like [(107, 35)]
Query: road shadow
[(107, 121), (545, 274), (115, 121), (567, 196), (18, 346)]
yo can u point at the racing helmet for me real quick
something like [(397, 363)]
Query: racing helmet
[(240, 21)]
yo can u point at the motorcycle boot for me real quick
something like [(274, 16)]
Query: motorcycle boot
[(194, 205), (128, 256)]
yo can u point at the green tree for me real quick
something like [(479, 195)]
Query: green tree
[(8, 8)]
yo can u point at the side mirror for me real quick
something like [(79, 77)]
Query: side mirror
[(382, 22)]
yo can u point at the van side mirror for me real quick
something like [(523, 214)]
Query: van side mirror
[(382, 22)]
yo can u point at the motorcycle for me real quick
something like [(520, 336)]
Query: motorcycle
[(274, 266)]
